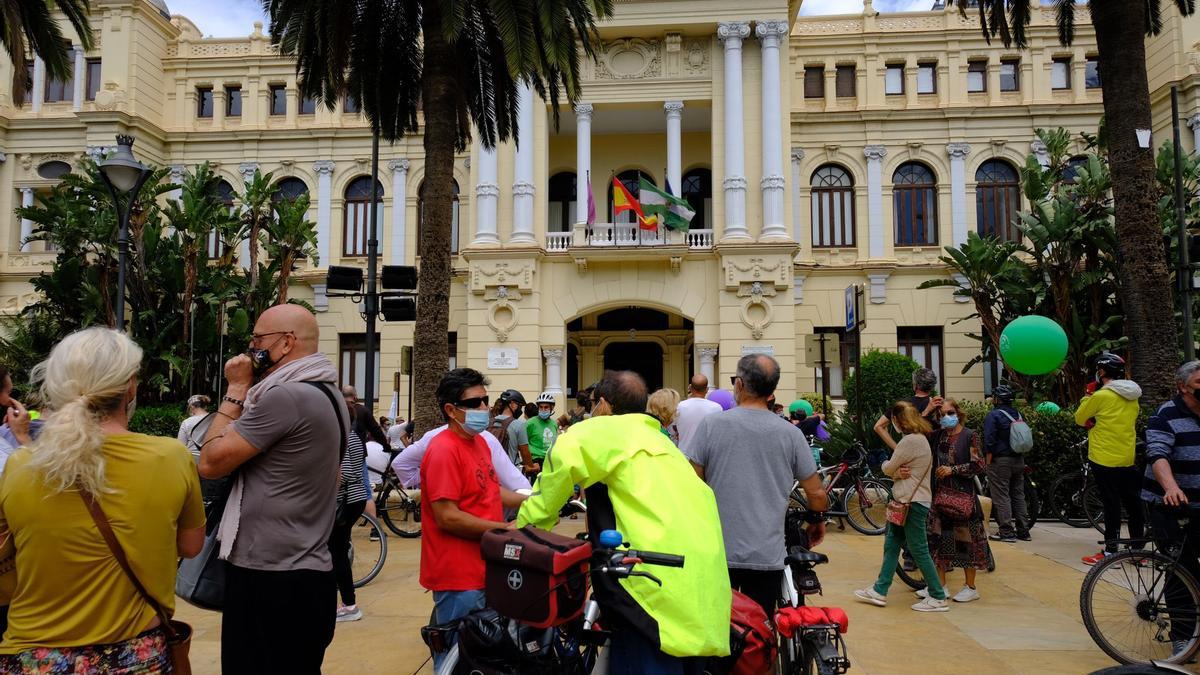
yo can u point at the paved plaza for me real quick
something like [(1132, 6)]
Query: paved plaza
[(1027, 622)]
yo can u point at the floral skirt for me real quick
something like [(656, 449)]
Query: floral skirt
[(146, 654), (958, 544)]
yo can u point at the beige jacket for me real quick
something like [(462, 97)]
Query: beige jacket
[(912, 451)]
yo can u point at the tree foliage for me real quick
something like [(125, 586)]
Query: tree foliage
[(31, 25)]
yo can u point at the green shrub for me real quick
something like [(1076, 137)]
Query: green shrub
[(886, 378), (158, 420), (1054, 436), (818, 404)]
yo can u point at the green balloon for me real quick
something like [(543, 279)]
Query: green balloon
[(1048, 408), (1033, 345)]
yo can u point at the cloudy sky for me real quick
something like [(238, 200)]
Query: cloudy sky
[(236, 18)]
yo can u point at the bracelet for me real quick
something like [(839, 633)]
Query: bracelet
[(240, 404)]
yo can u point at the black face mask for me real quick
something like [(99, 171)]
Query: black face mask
[(1196, 394), (260, 360)]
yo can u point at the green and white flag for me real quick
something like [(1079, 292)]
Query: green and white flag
[(671, 210)]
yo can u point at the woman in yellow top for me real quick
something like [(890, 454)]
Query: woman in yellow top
[(73, 608)]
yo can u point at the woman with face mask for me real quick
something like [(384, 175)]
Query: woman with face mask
[(954, 540)]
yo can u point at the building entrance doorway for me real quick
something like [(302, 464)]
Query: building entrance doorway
[(655, 344), (643, 358)]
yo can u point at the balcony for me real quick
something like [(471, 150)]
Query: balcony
[(623, 235)]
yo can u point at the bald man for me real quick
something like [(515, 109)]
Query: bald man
[(693, 409), (281, 426)]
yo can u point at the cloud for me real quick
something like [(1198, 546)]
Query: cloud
[(227, 18)]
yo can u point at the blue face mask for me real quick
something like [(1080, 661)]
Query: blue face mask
[(949, 421), (477, 421), (545, 414)]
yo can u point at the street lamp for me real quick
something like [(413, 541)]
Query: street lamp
[(123, 175)]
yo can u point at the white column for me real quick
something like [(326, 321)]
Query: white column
[(80, 78), (875, 238), (1039, 149), (247, 170), (958, 191), (26, 224), (708, 360), (399, 169), (770, 35), (39, 84), (797, 216), (583, 159), (554, 357), (324, 171), (674, 110), (1194, 124), (487, 198), (732, 33), (523, 188)]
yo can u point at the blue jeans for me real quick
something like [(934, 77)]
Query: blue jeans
[(451, 605), (630, 653), (913, 537)]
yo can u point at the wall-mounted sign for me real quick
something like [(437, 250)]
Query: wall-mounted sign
[(769, 350), (502, 358)]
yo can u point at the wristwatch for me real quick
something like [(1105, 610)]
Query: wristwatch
[(814, 517)]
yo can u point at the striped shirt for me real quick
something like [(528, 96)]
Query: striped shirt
[(353, 490), (1173, 434)]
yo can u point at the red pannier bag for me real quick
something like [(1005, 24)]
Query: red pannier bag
[(790, 619), (752, 647), (536, 577)]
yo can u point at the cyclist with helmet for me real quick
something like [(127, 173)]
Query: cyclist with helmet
[(802, 419), (1110, 415), (542, 430), (509, 428), (1005, 468)]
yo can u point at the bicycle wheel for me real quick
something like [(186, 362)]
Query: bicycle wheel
[(913, 578), (813, 664), (400, 511), (1033, 501), (866, 506), (367, 556), (1135, 604), (1093, 506), (1066, 499)]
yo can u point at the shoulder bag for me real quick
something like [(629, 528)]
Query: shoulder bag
[(179, 634), (897, 511)]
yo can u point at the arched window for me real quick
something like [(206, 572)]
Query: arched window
[(289, 188), (563, 204), (914, 205), (997, 200), (225, 192), (357, 215), (832, 207), (630, 180), (697, 190), (421, 219)]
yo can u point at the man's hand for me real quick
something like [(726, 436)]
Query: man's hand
[(17, 418), (532, 469), (816, 534), (935, 403), (239, 371), (904, 472), (1174, 497), (943, 471)]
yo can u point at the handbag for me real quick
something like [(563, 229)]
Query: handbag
[(897, 511), (179, 634), (954, 504)]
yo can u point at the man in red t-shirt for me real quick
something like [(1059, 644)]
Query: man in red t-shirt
[(460, 499)]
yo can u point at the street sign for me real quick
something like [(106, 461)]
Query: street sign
[(406, 355), (851, 306), (812, 349)]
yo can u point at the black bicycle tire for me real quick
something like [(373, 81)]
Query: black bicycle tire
[(907, 577), (1033, 502), (1057, 498), (852, 490), (1085, 601), (370, 576), (381, 506), (1093, 507), (787, 666), (814, 665)]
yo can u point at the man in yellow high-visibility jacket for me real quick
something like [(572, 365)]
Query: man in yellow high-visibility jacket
[(639, 483)]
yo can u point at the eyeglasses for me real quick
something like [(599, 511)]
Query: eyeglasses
[(257, 338), (733, 380), (472, 403)]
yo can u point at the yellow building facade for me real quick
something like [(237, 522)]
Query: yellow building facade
[(818, 153)]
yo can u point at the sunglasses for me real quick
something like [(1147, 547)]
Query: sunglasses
[(472, 403), (733, 380)]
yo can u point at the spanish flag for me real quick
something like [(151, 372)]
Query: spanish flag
[(623, 201)]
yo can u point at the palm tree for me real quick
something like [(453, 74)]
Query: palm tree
[(256, 213), (290, 237), (30, 24), (1146, 292), (462, 61)]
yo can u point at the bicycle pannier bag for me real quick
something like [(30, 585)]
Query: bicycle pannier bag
[(1020, 436), (491, 644), (536, 577), (751, 640)]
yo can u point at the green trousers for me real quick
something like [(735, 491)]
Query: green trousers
[(913, 537)]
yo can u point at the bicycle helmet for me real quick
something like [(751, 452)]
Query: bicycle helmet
[(545, 397), (1003, 393), (1111, 364), (511, 395)]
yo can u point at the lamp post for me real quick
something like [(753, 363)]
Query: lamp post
[(123, 175)]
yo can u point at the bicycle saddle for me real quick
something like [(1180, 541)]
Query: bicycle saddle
[(797, 555)]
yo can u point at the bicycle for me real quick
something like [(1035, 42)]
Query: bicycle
[(367, 553), (1133, 601), (853, 497), (1033, 497), (815, 649), (399, 510), (1073, 495)]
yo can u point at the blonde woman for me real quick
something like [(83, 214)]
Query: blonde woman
[(662, 405), (910, 466), (74, 609)]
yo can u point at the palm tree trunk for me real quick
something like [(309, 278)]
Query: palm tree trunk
[(440, 96), (285, 271), (254, 227), (1142, 264), (190, 273)]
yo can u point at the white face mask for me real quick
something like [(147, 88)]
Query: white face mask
[(897, 429)]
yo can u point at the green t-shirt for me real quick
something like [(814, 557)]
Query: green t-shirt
[(542, 434)]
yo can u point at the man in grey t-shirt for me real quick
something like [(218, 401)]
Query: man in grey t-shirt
[(749, 456)]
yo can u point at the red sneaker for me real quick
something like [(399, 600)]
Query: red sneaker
[(1093, 559)]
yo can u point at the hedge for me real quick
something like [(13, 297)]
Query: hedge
[(158, 420), (886, 378)]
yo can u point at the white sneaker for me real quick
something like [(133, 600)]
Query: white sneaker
[(923, 593), (350, 613), (869, 596), (967, 594), (931, 605)]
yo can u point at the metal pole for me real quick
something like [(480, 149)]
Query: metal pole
[(862, 425), (824, 374), (122, 254), (1184, 274), (410, 393), (371, 299)]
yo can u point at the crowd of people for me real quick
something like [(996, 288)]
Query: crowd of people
[(707, 476)]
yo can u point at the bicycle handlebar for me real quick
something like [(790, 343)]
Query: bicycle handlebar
[(660, 559)]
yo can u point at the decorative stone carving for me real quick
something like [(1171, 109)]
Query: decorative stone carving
[(756, 297), (958, 150), (398, 165), (583, 111), (775, 182), (324, 167), (247, 169), (630, 59), (178, 173), (581, 265), (676, 263), (798, 288), (733, 30), (797, 155), (874, 152), (673, 42), (487, 190), (734, 183), (514, 277), (695, 61), (771, 31), (741, 272), (879, 286), (523, 188), (111, 97), (502, 315)]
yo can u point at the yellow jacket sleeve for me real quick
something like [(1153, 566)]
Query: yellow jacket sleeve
[(564, 468), (1088, 408)]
